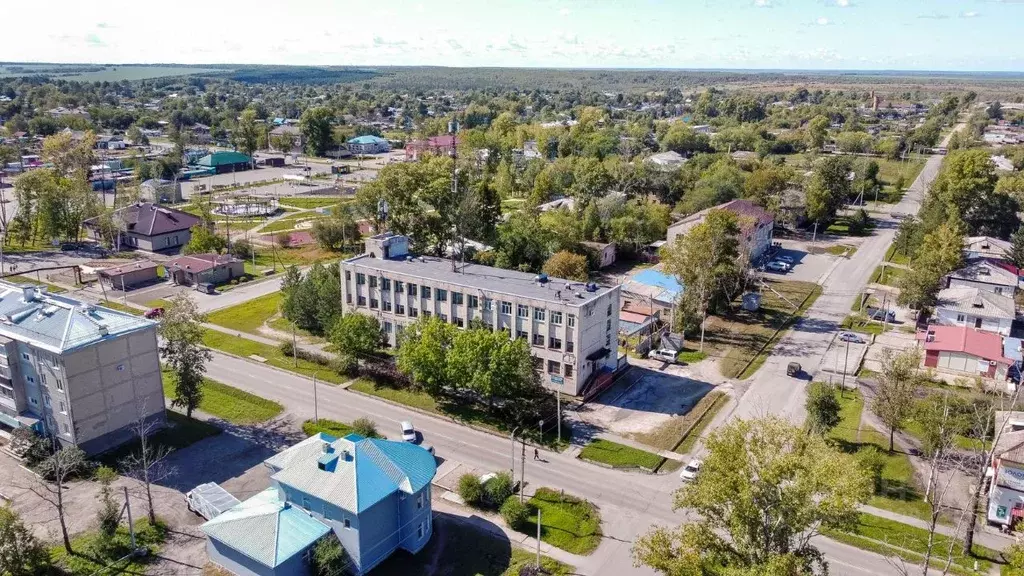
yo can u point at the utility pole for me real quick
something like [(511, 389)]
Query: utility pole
[(131, 524), (316, 417), (846, 364), (814, 238), (538, 539), (558, 403), (522, 471), (512, 470), (295, 348), (124, 293)]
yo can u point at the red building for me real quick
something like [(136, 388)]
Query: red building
[(436, 145), (965, 350)]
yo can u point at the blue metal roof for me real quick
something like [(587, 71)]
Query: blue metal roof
[(266, 529), (367, 139), (668, 284), (1011, 348)]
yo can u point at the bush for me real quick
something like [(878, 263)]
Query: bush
[(365, 427), (384, 374), (514, 512), (858, 222), (470, 489), (109, 514), (289, 350), (32, 447), (329, 556), (498, 489), (345, 365), (872, 461)]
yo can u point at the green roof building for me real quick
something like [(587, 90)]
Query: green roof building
[(222, 162)]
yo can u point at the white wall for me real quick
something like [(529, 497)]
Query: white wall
[(949, 317)]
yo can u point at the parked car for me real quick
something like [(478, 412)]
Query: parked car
[(786, 259), (776, 266), (408, 432), (663, 355), (850, 337), (880, 314), (793, 369), (206, 288), (691, 470), (898, 215), (153, 313)]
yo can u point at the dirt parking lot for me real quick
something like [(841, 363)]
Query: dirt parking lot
[(643, 400), (810, 261)]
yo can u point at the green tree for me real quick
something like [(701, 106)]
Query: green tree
[(721, 182), (203, 241), (282, 142), (423, 353), (329, 557), (490, 365), (522, 243), (894, 398), (638, 224), (335, 232), (764, 489), (817, 132), (136, 136), (766, 184), (682, 139), (109, 512), (828, 190), (704, 259), (356, 335), (1017, 248), (59, 468), (316, 126), (940, 253), (21, 553), (822, 408), (181, 330), (248, 133), (312, 301), (567, 265)]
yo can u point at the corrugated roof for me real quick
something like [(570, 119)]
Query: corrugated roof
[(150, 219), (987, 345), (353, 472), (977, 302), (987, 271), (59, 323), (223, 158), (199, 262), (266, 529), (368, 139)]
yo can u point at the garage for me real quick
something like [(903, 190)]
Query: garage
[(957, 361)]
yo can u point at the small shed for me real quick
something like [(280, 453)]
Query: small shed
[(129, 275), (221, 162)]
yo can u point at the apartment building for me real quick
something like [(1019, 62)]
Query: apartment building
[(571, 326), (80, 373)]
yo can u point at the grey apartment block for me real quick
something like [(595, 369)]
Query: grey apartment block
[(571, 326), (80, 373)]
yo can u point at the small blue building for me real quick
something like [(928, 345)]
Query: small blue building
[(368, 145), (373, 494)]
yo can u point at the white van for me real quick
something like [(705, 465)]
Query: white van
[(663, 355)]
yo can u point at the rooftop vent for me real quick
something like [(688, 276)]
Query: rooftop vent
[(929, 337), (983, 271), (591, 287), (19, 315), (541, 278), (28, 293)]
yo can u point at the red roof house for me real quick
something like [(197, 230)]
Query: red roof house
[(965, 350)]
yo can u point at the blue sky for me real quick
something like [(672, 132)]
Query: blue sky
[(796, 34)]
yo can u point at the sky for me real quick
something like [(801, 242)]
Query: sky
[(961, 35)]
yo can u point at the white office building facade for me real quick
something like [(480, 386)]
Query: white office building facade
[(571, 327)]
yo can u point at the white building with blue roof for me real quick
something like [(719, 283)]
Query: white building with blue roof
[(373, 494), (80, 373), (368, 144)]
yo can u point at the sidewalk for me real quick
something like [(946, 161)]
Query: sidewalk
[(987, 539)]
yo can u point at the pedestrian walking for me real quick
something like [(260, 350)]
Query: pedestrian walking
[(536, 454)]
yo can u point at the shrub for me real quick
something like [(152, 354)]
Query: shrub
[(329, 556), (365, 427), (858, 222), (470, 489), (287, 348), (110, 513), (345, 365), (514, 512), (498, 489), (872, 461), (33, 447), (384, 374)]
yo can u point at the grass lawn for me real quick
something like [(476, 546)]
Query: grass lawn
[(915, 541), (890, 170), (180, 432), (680, 433), (463, 413), (272, 354), (228, 403), (566, 522), (896, 256), (841, 250), (249, 316), (899, 490), (858, 323), (289, 222), (92, 556), (19, 279), (914, 428), (307, 202), (491, 555), (158, 303), (332, 427), (619, 455), (745, 339), (691, 356), (841, 227), (282, 324), (121, 307), (886, 275)]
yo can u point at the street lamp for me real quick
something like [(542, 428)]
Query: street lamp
[(513, 438), (316, 418), (541, 426)]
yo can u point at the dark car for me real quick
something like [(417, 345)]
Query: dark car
[(793, 369), (880, 314)]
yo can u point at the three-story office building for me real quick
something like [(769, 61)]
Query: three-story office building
[(571, 326)]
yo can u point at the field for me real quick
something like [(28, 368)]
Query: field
[(101, 73), (249, 316), (228, 403), (618, 455)]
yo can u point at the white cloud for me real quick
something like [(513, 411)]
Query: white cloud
[(823, 21), (842, 3), (763, 3), (970, 14), (564, 11)]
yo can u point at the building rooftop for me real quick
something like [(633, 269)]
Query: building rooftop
[(150, 219), (972, 341), (977, 302), (266, 529), (367, 139), (742, 208), (223, 159), (495, 280), (58, 323), (987, 271), (199, 262), (353, 472), (133, 266)]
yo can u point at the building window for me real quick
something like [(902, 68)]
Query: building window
[(607, 339), (538, 339), (459, 322), (538, 363), (413, 312), (521, 334), (488, 304), (506, 307), (608, 324), (609, 309), (387, 327), (457, 298), (348, 274), (588, 311), (569, 346), (523, 311), (67, 431), (385, 284), (412, 289), (443, 317), (474, 302), (346, 523), (63, 409), (348, 298), (373, 281), (442, 295), (554, 366), (386, 305), (426, 292), (960, 318), (360, 279), (399, 309), (419, 531), (30, 379), (556, 318), (539, 314), (555, 343), (568, 370), (24, 356), (419, 501), (361, 301), (572, 321), (399, 286), (374, 304), (426, 313)]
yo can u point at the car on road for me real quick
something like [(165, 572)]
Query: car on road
[(408, 432), (153, 313), (880, 314), (776, 266), (691, 470), (786, 259), (793, 369), (663, 355), (898, 215), (850, 337)]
